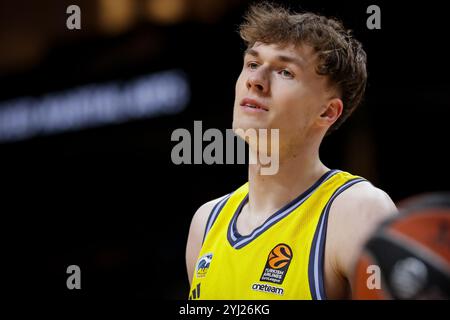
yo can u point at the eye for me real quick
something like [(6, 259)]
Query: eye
[(252, 65), (286, 74)]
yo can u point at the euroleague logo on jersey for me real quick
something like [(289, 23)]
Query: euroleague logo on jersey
[(203, 265), (277, 264)]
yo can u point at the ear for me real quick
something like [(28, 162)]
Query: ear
[(332, 112)]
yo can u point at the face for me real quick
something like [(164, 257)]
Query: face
[(279, 88)]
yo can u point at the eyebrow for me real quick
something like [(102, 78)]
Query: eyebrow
[(283, 58)]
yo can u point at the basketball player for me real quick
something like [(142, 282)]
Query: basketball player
[(295, 234)]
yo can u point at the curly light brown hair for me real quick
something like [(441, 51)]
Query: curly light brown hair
[(340, 56)]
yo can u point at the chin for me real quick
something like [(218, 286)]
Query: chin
[(246, 124)]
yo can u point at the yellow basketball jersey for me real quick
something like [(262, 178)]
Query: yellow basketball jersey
[(281, 259)]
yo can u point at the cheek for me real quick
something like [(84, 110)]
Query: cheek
[(239, 92), (240, 82), (291, 100), (296, 107)]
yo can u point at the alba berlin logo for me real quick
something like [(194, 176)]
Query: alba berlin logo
[(277, 264)]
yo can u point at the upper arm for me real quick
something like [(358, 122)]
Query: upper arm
[(353, 217), (196, 233)]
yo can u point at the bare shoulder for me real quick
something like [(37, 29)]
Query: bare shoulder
[(362, 200), (354, 215), (196, 232)]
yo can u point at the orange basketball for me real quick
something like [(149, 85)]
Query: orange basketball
[(408, 256)]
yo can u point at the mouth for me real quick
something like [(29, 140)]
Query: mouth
[(253, 105)]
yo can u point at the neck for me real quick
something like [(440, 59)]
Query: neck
[(297, 172)]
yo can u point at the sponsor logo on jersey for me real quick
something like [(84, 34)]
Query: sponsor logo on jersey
[(203, 265), (262, 287), (277, 264)]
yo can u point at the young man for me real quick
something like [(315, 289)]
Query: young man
[(295, 234)]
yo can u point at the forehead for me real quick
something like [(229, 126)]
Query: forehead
[(302, 52)]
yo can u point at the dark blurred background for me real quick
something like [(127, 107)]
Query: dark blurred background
[(98, 188)]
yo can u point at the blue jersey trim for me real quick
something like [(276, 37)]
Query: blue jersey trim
[(214, 214), (317, 253), (238, 241)]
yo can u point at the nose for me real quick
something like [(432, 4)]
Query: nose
[(258, 81)]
